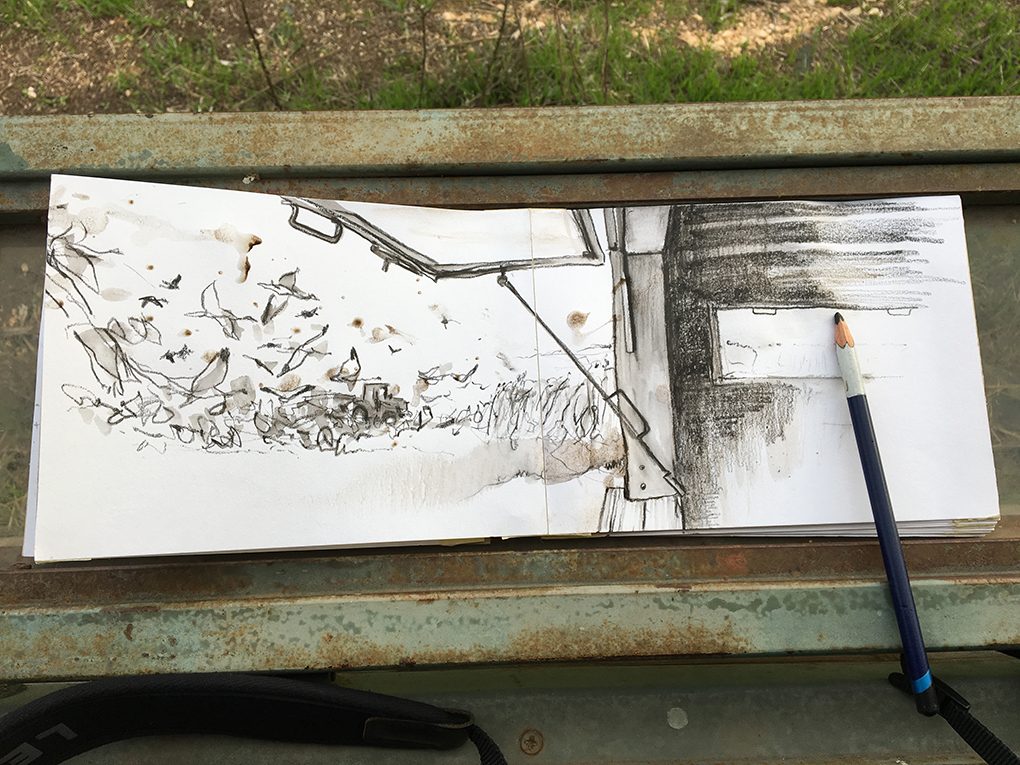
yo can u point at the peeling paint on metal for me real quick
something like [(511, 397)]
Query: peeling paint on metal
[(493, 626), (502, 141)]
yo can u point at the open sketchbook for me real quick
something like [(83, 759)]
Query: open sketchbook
[(223, 371)]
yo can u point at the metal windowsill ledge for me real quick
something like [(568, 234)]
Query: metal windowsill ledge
[(519, 600), (537, 156), (509, 602), (500, 141)]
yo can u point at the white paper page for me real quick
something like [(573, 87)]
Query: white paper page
[(192, 414), (582, 435), (476, 421), (776, 444), (31, 500)]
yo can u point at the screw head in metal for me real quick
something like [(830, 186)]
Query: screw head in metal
[(531, 741)]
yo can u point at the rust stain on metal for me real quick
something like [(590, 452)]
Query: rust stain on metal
[(120, 587), (614, 640), (734, 563), (706, 136)]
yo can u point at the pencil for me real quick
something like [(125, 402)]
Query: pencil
[(918, 671)]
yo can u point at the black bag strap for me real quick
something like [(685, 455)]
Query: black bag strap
[(955, 709), (66, 723)]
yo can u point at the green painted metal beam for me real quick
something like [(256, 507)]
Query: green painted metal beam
[(666, 137), (495, 626)]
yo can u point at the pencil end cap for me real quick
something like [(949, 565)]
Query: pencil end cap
[(927, 702)]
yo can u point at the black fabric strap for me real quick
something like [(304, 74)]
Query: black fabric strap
[(66, 723), (956, 711)]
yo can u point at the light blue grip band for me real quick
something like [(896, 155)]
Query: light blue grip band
[(922, 683)]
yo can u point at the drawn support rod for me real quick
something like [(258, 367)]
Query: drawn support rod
[(637, 432)]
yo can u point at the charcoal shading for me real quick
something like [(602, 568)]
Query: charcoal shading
[(769, 255)]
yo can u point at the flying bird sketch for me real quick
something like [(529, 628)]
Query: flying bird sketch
[(349, 371), (229, 322), (287, 285)]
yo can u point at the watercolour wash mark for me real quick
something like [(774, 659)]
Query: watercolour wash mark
[(595, 352)]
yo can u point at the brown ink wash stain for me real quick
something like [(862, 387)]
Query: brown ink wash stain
[(357, 323), (186, 333), (149, 268), (576, 320), (244, 265), (290, 382), (210, 356)]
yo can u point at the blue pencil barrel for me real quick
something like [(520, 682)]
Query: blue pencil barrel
[(918, 670)]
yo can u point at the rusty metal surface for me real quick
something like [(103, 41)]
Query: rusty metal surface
[(493, 625), (525, 565), (975, 182), (515, 602), (507, 141), (526, 600)]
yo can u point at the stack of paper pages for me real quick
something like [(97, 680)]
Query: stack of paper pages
[(226, 371)]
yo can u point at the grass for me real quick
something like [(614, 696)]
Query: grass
[(586, 52), (41, 16), (944, 48), (937, 48)]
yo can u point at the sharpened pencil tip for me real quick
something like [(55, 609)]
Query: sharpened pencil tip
[(843, 336)]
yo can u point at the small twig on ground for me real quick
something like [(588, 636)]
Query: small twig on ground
[(424, 51), (258, 53), (605, 56), (524, 52), (495, 52), (564, 75)]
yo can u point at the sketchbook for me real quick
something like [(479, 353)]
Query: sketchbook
[(232, 371)]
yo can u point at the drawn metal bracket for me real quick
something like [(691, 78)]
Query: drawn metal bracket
[(393, 251)]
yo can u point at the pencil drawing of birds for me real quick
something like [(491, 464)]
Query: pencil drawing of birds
[(301, 352), (287, 285), (229, 322), (349, 371), (214, 373)]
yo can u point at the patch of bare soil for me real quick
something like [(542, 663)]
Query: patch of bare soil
[(762, 26), (40, 74)]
